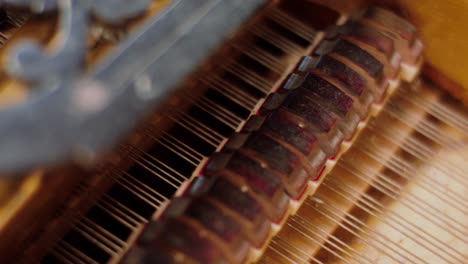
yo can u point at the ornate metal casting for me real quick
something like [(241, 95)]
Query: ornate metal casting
[(31, 63), (88, 113)]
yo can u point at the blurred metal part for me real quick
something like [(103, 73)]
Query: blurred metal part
[(91, 113), (31, 63)]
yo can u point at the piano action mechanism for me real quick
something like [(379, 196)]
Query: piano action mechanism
[(228, 131)]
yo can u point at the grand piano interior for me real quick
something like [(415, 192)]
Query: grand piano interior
[(230, 131)]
